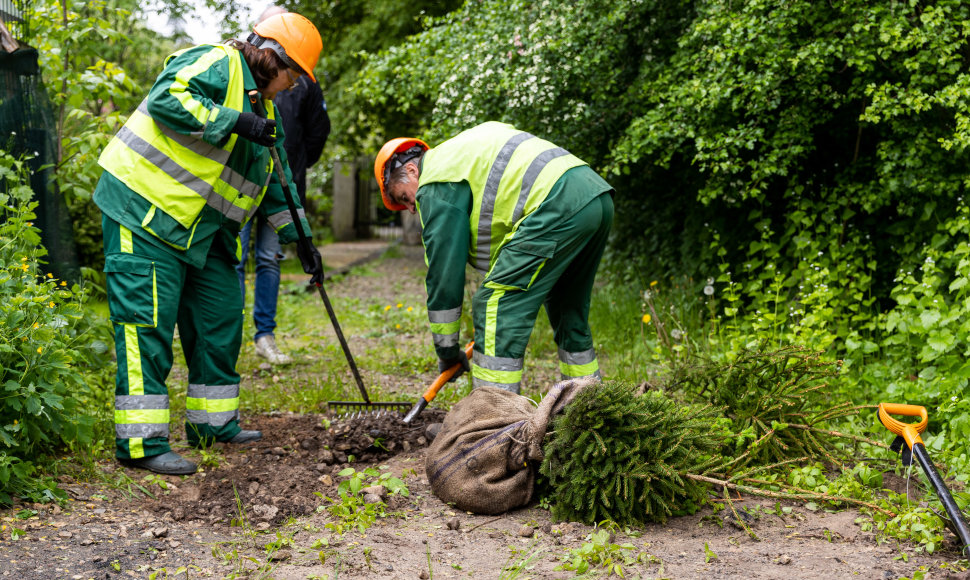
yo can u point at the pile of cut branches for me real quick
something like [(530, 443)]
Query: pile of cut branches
[(628, 457)]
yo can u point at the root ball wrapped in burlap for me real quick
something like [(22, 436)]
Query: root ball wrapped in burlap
[(487, 454)]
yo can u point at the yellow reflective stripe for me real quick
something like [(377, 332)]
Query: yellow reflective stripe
[(136, 380), (493, 376), (491, 322), (179, 87), (154, 297), (136, 447), (579, 370), (446, 327), (211, 405), (127, 246), (142, 416)]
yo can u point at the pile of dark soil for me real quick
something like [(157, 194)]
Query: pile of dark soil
[(276, 478)]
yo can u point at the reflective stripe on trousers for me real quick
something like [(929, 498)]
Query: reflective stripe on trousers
[(213, 405)]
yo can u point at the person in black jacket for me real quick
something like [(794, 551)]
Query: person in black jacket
[(306, 126)]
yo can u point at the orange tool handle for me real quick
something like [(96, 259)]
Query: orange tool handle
[(909, 431), (432, 391)]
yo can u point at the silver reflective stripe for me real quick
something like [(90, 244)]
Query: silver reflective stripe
[(596, 374), (280, 219), (513, 387), (139, 402), (226, 207), (143, 430), (213, 391), (196, 145), (214, 419), (444, 340), (164, 162), (444, 316), (531, 174), (498, 363), (489, 194), (577, 358)]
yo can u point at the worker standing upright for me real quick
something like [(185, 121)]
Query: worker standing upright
[(189, 167), (530, 216)]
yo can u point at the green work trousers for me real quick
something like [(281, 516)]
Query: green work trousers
[(149, 291), (547, 263)]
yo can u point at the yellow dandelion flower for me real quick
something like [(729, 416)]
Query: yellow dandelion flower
[(410, 309), (397, 326), (399, 305), (36, 325), (16, 422), (646, 319), (386, 308), (654, 283), (50, 304), (25, 267), (40, 349), (63, 283), (49, 275)]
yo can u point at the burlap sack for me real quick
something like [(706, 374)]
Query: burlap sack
[(486, 456)]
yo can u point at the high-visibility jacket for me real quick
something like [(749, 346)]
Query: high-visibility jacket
[(475, 189), (190, 175)]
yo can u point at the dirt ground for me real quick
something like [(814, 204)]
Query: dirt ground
[(260, 511)]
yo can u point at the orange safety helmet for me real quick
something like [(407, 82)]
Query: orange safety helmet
[(392, 155), (294, 38)]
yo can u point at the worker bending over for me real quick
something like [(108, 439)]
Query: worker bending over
[(533, 218), (189, 167)]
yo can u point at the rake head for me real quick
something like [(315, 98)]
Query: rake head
[(355, 409)]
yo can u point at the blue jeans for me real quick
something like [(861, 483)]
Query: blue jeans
[(267, 286)]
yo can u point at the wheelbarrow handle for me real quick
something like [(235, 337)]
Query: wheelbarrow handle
[(909, 431)]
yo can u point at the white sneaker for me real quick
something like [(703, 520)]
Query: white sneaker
[(266, 348)]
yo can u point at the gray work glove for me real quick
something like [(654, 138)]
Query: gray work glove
[(461, 359), (255, 128)]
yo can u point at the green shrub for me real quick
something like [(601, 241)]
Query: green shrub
[(46, 339), (620, 456)]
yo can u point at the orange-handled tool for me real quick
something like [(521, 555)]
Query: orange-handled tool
[(908, 433), (432, 391)]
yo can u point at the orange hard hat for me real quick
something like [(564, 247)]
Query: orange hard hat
[(294, 38), (392, 155)]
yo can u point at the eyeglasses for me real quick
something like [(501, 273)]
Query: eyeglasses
[(293, 80)]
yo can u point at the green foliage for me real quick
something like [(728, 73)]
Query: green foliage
[(350, 510), (46, 339), (620, 456), (600, 554), (773, 399)]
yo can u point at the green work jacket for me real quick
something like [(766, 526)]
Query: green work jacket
[(177, 176), (475, 190)]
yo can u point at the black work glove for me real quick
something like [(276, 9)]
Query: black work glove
[(312, 263), (461, 359), (255, 128)]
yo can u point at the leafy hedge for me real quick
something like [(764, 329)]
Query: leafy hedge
[(51, 350)]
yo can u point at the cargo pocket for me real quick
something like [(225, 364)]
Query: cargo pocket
[(132, 293), (518, 265)]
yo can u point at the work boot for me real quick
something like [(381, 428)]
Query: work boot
[(266, 348), (246, 436), (169, 463)]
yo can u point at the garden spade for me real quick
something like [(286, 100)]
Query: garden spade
[(256, 100), (909, 433)]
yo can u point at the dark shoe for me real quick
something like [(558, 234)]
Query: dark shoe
[(170, 463), (245, 436)]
